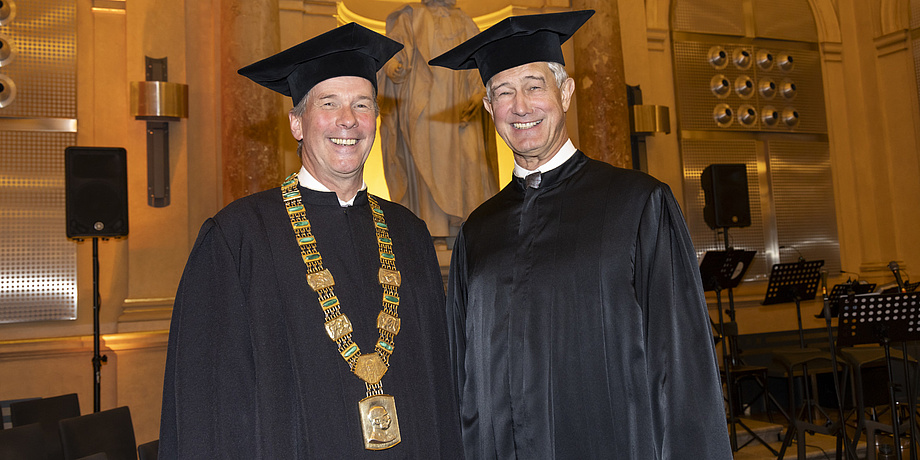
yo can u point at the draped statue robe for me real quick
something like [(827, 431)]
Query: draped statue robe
[(578, 324), (438, 145)]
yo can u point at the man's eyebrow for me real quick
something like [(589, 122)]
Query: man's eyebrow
[(539, 78), (495, 87), (536, 77)]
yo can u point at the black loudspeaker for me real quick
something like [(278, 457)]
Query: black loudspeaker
[(96, 185), (725, 188)]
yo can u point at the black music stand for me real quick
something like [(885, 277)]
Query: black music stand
[(829, 310), (796, 281), (840, 291), (725, 270), (884, 319)]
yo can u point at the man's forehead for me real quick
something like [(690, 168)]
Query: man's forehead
[(338, 86), (530, 71)]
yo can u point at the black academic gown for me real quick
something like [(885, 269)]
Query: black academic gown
[(250, 371), (578, 323)]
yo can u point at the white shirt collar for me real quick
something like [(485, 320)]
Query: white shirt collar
[(560, 157), (309, 182)]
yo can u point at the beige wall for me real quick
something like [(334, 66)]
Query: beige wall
[(874, 122)]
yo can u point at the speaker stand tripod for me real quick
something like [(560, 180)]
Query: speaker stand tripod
[(98, 358)]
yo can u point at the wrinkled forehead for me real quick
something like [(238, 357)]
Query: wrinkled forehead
[(532, 71), (343, 86)]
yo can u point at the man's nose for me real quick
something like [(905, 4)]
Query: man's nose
[(347, 118), (520, 104)]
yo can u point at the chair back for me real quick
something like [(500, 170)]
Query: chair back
[(148, 450), (47, 412), (22, 442), (109, 431)]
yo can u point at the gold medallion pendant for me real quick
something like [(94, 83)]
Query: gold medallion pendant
[(379, 422), (370, 368)]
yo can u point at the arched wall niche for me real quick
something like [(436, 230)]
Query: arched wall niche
[(373, 13), (376, 21), (379, 9), (893, 15)]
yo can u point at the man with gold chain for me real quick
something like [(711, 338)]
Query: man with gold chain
[(577, 318), (309, 320)]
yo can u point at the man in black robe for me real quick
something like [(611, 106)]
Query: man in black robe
[(576, 315), (300, 301)]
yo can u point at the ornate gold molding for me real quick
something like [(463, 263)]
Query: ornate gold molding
[(483, 22)]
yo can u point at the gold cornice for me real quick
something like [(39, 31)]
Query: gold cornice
[(345, 16)]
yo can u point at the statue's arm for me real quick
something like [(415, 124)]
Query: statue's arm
[(399, 28)]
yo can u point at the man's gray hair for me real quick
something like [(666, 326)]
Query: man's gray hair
[(558, 72)]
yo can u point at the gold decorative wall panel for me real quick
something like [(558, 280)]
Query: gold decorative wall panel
[(700, 153), (785, 20), (751, 92), (796, 87), (38, 278), (44, 69), (38, 110), (805, 217), (915, 14), (709, 16)]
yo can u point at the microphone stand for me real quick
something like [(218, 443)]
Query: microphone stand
[(893, 266)]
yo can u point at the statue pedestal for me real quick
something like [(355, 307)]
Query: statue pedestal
[(444, 262)]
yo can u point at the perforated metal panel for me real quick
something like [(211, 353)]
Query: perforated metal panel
[(709, 16), (804, 198), (785, 20), (914, 14), (734, 97), (915, 45), (43, 69), (698, 98), (697, 155), (38, 279)]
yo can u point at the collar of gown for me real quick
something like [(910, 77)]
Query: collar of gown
[(558, 175), (307, 181), (563, 155)]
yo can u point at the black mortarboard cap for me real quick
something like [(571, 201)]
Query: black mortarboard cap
[(515, 41), (349, 50)]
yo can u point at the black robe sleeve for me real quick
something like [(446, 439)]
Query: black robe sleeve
[(209, 360), (688, 416)]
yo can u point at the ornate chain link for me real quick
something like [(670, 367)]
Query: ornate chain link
[(338, 326)]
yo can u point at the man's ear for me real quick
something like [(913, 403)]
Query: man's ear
[(568, 88), (296, 128), (487, 105)]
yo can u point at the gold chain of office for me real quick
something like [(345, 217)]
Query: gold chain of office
[(369, 367)]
